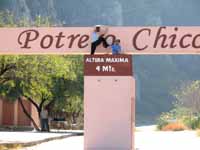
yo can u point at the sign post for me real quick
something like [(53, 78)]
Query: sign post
[(109, 100)]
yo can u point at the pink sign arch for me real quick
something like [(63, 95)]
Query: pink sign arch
[(76, 40)]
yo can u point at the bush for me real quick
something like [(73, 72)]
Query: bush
[(176, 126), (193, 122), (178, 115), (161, 123), (163, 120)]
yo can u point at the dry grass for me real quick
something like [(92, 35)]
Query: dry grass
[(176, 126), (10, 147), (137, 130), (198, 132)]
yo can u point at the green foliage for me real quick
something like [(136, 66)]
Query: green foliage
[(187, 107), (7, 19), (35, 76), (8, 66), (178, 114), (188, 95), (49, 78), (193, 122), (162, 122), (42, 21), (55, 78), (181, 115), (69, 93)]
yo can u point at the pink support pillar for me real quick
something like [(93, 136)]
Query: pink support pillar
[(109, 100)]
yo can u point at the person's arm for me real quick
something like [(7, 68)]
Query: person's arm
[(104, 30)]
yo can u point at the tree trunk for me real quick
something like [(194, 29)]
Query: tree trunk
[(38, 107), (34, 104), (28, 115)]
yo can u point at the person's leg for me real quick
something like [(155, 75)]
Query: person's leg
[(43, 124), (97, 43), (103, 40), (94, 46), (48, 125)]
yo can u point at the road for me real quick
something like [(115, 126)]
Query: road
[(73, 143), (156, 140), (146, 139)]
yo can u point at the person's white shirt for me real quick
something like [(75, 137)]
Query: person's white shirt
[(95, 36), (44, 114)]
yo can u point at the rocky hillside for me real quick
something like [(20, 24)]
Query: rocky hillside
[(156, 78), (112, 12)]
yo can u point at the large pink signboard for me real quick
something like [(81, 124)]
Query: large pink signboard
[(77, 40)]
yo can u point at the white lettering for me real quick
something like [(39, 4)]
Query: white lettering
[(117, 60)]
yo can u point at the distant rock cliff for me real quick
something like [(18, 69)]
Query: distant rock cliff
[(111, 12)]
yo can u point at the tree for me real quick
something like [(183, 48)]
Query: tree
[(7, 19), (69, 93), (188, 95), (7, 68), (43, 80)]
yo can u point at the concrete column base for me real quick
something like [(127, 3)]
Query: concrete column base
[(108, 112)]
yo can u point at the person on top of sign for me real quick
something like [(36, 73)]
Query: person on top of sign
[(116, 47), (98, 38)]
